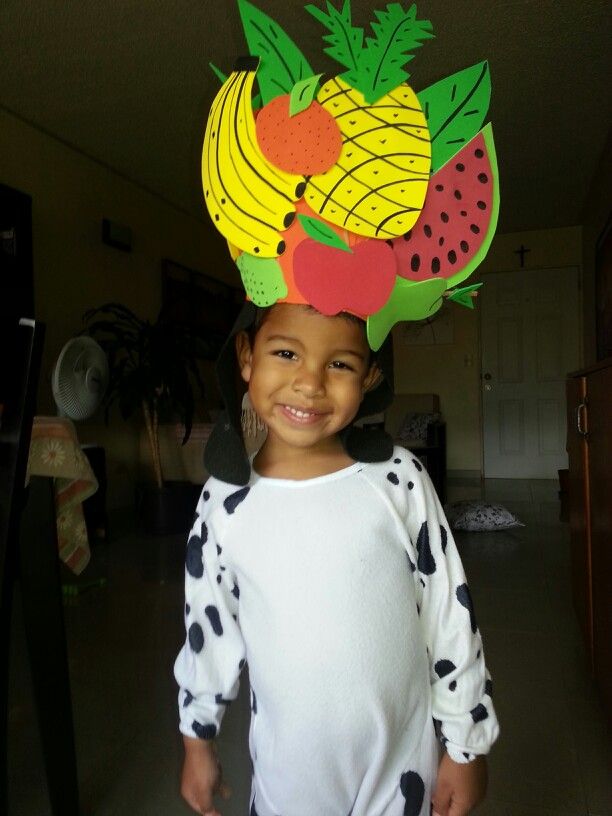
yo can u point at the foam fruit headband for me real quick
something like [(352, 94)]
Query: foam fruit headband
[(356, 194)]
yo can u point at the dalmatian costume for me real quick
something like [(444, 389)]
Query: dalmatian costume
[(346, 595)]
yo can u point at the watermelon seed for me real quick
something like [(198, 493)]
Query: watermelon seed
[(223, 201), (478, 153), (348, 155), (256, 250), (465, 247), (475, 228), (383, 141), (483, 178), (207, 193), (439, 187), (216, 217), (458, 195), (348, 192), (352, 121), (408, 235), (415, 263), (460, 167), (333, 211), (373, 208), (463, 213), (435, 265), (481, 205), (441, 241), (427, 230), (444, 217), (452, 256)]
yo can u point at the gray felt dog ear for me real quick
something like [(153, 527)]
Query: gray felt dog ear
[(225, 455)]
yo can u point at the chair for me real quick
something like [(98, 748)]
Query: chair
[(28, 552), (430, 446)]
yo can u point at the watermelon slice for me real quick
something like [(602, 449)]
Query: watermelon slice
[(458, 221)]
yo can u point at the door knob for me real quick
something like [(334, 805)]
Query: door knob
[(488, 376)]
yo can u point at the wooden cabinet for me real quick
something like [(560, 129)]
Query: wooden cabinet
[(589, 446)]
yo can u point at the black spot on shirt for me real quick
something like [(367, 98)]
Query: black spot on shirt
[(220, 700), (212, 613), (443, 538), (188, 699), (219, 550), (232, 501), (444, 667), (206, 495), (413, 791), (187, 609), (479, 713), (236, 591), (205, 732), (397, 461), (425, 562), (196, 637), (452, 685), (465, 599), (410, 485), (253, 702), (193, 557), (489, 688), (417, 464), (392, 477)]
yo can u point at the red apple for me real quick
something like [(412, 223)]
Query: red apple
[(332, 280)]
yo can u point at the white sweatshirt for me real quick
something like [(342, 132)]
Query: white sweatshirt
[(346, 595)]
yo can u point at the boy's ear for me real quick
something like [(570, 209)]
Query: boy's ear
[(244, 354), (372, 378)]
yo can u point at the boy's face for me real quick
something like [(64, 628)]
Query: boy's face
[(307, 373)]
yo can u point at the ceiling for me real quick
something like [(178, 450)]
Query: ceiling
[(127, 83)]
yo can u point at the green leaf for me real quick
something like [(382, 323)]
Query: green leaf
[(282, 64), (382, 64), (322, 233), (463, 297), (345, 40), (455, 109), (303, 93)]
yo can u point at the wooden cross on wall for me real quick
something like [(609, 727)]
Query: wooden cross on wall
[(522, 251)]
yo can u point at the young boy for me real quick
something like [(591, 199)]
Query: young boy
[(339, 582), (326, 562)]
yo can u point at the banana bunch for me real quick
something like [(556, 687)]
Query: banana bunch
[(250, 201), (378, 185)]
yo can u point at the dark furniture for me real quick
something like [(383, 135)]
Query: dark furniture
[(431, 451), (589, 447), (28, 553)]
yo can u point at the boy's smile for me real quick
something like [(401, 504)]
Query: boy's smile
[(307, 375)]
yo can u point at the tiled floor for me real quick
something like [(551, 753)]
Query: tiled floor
[(552, 759)]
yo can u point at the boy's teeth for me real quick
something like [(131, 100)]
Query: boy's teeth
[(297, 413)]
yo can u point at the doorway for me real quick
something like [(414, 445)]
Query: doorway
[(530, 340)]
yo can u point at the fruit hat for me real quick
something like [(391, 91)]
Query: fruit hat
[(354, 193)]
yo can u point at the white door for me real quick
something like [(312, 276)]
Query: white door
[(530, 334)]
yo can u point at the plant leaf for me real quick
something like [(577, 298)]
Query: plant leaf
[(455, 108), (303, 93), (322, 232), (382, 63), (463, 295), (282, 64), (345, 40)]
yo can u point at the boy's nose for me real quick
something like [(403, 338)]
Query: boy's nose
[(309, 383)]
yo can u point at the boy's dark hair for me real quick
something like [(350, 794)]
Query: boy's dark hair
[(225, 456)]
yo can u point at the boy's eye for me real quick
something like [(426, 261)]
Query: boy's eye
[(341, 365), (284, 354)]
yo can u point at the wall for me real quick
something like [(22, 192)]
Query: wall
[(596, 215), (74, 271), (453, 371)]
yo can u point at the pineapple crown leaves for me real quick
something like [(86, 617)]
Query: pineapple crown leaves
[(377, 68)]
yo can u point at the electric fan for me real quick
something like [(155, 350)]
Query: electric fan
[(80, 378)]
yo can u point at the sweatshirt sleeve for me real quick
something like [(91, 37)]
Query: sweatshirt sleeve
[(208, 666), (461, 686)]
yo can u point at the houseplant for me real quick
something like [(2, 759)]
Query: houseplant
[(153, 372)]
